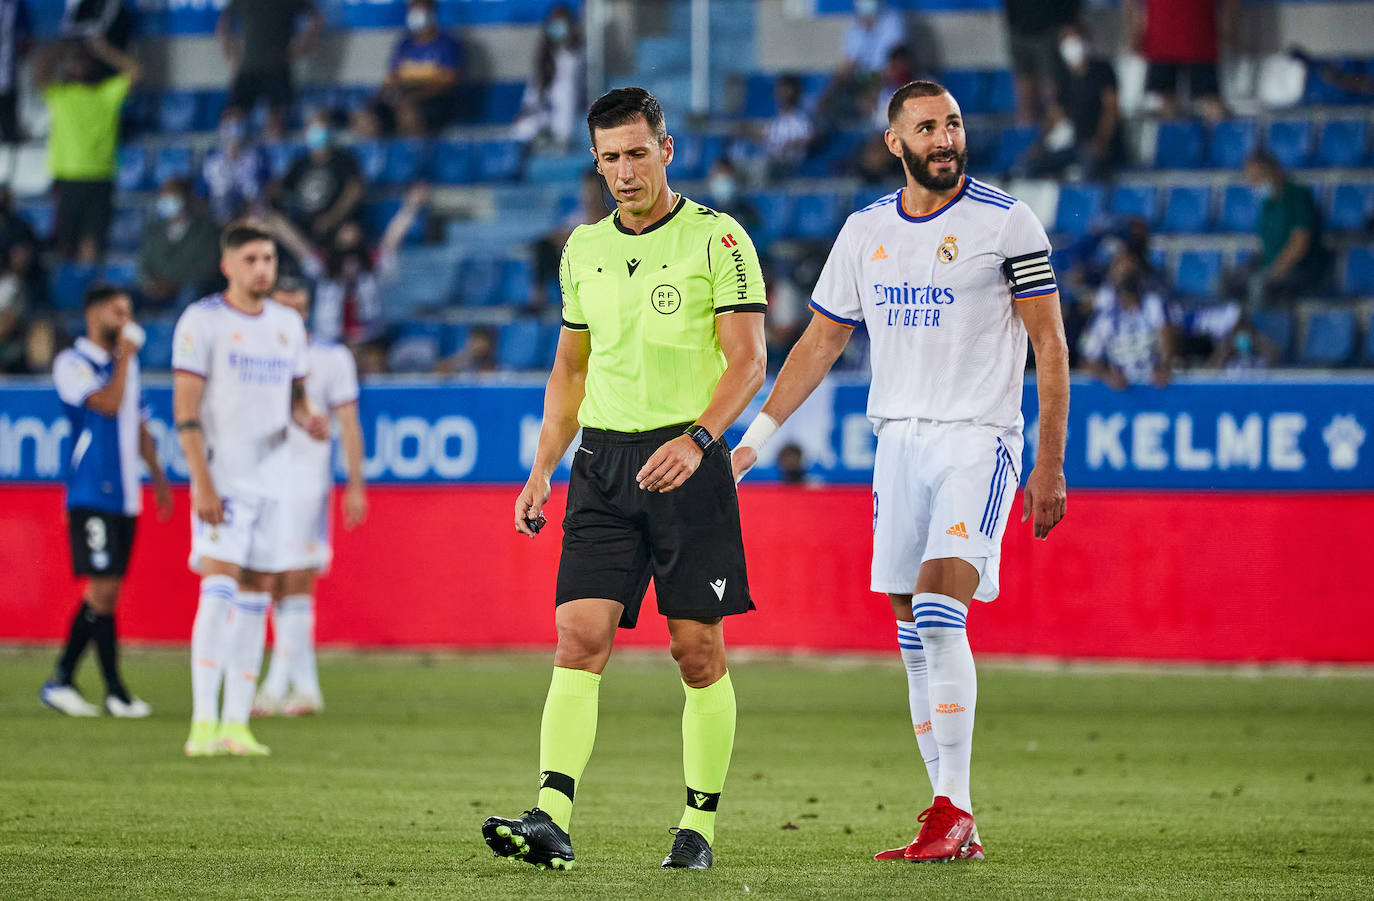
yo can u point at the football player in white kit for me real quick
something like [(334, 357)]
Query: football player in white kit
[(239, 363), (292, 683), (950, 276)]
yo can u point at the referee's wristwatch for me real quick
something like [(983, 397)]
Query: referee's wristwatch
[(703, 438)]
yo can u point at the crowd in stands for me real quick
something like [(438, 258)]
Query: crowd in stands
[(345, 179)]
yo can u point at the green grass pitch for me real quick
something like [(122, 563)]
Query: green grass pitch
[(1088, 783)]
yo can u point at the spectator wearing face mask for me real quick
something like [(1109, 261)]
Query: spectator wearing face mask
[(1293, 258), (870, 38), (419, 95), (1083, 127), (179, 255), (322, 190), (551, 109), (263, 53), (234, 170), (725, 195), (348, 273)]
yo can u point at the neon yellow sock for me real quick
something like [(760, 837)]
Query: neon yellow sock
[(708, 738), (566, 737)]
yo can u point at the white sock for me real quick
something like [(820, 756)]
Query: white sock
[(207, 645), (914, 659), (246, 635), (298, 622), (953, 690), (275, 683)]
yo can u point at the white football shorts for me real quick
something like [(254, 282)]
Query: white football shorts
[(941, 489), (308, 528), (253, 535)]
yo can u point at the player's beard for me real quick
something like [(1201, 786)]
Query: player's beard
[(109, 335), (919, 167)]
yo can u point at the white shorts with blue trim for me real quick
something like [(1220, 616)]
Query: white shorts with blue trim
[(941, 489), (253, 535)]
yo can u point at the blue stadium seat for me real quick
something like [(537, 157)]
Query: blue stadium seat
[(176, 112), (209, 107), (69, 282), (40, 216), (816, 216), (834, 151), (519, 344), (1343, 143), (453, 163), (1352, 206), (120, 272), (694, 155), (1011, 147), (1135, 201), (173, 162), (758, 96), (1239, 209), (775, 216), (377, 215), (498, 103), (1187, 209), (518, 283), (1232, 141), (157, 345), (969, 87), (1367, 348), (1329, 339), (1290, 142), (1359, 271), (1199, 273), (419, 328), (281, 156), (499, 161), (126, 229), (452, 338), (1000, 92), (406, 161), (371, 157), (1178, 145), (132, 170), (1277, 326), (1079, 205), (479, 281)]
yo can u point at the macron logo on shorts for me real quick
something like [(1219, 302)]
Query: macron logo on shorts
[(957, 530), (718, 587)]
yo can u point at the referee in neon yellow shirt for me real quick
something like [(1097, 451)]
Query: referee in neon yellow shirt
[(661, 350)]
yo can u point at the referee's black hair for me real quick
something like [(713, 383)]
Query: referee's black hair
[(911, 89), (622, 106), (99, 292)]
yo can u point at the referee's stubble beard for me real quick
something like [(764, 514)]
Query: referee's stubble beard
[(634, 164)]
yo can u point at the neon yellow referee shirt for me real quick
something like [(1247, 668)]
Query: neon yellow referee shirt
[(650, 302)]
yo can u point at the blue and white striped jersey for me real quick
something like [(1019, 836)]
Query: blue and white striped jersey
[(104, 469)]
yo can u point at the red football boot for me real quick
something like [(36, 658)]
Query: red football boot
[(946, 834), (970, 850)]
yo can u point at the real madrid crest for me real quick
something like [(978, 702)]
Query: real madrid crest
[(948, 251)]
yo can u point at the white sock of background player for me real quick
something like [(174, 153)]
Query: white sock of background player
[(298, 611), (247, 634), (918, 696)]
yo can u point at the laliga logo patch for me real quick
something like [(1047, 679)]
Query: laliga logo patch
[(948, 251)]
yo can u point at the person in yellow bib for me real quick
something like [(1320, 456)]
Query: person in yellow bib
[(661, 350)]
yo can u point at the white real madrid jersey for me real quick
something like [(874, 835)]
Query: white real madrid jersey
[(936, 293), (248, 363), (332, 383)]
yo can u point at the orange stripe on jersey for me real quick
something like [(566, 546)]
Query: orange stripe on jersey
[(1047, 293), (953, 197)]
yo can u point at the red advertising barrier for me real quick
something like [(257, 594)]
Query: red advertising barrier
[(1158, 575)]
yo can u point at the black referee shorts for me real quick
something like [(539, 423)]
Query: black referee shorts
[(616, 535), (101, 541)]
